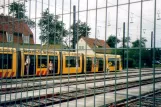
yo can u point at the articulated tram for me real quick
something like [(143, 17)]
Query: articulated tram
[(12, 62)]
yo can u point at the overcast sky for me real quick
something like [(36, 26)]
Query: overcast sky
[(99, 30)]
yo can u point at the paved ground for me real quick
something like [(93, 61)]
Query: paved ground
[(97, 100), (36, 83), (102, 99), (12, 96)]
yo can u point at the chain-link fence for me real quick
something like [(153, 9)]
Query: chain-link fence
[(80, 53)]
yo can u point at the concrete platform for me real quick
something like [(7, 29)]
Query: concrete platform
[(91, 74), (100, 100), (142, 69), (12, 96), (37, 83), (98, 84)]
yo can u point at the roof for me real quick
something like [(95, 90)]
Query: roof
[(14, 25), (95, 42), (97, 45)]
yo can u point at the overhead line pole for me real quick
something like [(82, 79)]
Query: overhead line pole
[(74, 27), (123, 55), (151, 48)]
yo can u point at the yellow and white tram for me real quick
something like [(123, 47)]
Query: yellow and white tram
[(12, 62)]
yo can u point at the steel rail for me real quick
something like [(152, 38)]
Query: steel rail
[(67, 83), (68, 96)]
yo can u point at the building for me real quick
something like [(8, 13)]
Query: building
[(13, 30), (92, 46)]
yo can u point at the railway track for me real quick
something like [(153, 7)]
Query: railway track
[(39, 86), (44, 78), (145, 100), (51, 99), (50, 77), (14, 81)]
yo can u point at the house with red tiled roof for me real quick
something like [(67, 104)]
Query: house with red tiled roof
[(13, 30), (92, 46)]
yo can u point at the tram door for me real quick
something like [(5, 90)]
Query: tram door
[(54, 60), (118, 65), (111, 64), (31, 66), (100, 65), (88, 64), (95, 64)]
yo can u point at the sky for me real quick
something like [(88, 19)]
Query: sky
[(101, 26)]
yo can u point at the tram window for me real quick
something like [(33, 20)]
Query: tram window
[(54, 59), (100, 60), (88, 63), (5, 61), (95, 60), (71, 61), (42, 61), (111, 61), (32, 67)]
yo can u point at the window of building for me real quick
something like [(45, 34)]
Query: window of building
[(26, 39), (9, 37), (81, 47)]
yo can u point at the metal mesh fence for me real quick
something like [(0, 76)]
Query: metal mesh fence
[(80, 53)]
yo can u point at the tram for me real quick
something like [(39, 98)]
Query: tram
[(13, 62)]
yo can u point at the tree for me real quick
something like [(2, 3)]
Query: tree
[(82, 29), (18, 10), (52, 30), (137, 43), (134, 54), (127, 40), (112, 41)]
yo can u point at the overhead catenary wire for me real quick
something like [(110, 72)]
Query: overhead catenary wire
[(113, 5)]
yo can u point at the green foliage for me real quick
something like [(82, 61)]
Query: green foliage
[(126, 41), (82, 29), (52, 30), (139, 43), (18, 11), (30, 22), (117, 51), (134, 57), (158, 54), (112, 41)]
